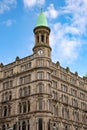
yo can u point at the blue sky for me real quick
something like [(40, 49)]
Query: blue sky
[(67, 20)]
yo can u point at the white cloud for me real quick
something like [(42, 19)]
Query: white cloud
[(66, 37), (51, 12), (32, 3), (6, 5), (8, 22)]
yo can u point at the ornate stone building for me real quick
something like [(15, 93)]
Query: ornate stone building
[(37, 94)]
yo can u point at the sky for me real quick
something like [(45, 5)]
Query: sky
[(67, 20)]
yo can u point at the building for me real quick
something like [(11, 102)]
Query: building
[(37, 94)]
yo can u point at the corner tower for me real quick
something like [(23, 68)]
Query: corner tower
[(42, 32)]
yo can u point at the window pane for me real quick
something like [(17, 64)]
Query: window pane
[(40, 124)]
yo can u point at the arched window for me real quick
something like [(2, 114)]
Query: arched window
[(40, 104), (49, 124), (40, 124), (28, 106), (40, 88), (29, 90), (42, 38), (6, 96), (28, 125), (3, 127), (9, 109), (23, 125), (20, 108), (10, 95), (20, 92), (5, 111), (25, 91), (24, 107)]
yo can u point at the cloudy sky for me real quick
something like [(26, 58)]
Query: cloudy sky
[(67, 20)]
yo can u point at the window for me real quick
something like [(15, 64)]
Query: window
[(15, 126), (55, 95), (40, 124), (8, 84), (74, 103), (49, 88), (63, 76), (9, 110), (73, 92), (28, 125), (48, 76), (25, 91), (28, 106), (40, 62), (23, 125), (65, 112), (49, 105), (6, 96), (40, 88), (54, 84), (24, 107), (10, 95), (81, 84), (3, 127), (20, 108), (83, 105), (25, 79), (40, 75), (5, 111), (40, 104), (82, 95), (8, 73), (73, 81), (76, 115), (55, 110), (42, 38), (65, 99), (63, 88), (49, 124), (26, 66), (20, 92)]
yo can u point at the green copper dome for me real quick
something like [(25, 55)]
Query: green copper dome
[(42, 21)]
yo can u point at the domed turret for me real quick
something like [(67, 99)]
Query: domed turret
[(42, 32)]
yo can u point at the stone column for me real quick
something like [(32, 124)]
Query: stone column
[(45, 38), (39, 37)]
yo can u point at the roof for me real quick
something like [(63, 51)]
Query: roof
[(42, 21)]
